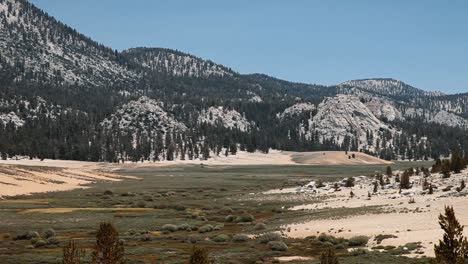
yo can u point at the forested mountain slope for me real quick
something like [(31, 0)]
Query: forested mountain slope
[(65, 96)]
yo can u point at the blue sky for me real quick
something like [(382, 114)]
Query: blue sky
[(422, 42)]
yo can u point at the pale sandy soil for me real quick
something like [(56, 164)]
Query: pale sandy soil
[(68, 210), (335, 158), (292, 258), (410, 222), (61, 175), (23, 180), (275, 157)]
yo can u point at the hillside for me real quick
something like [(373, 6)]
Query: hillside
[(65, 96)]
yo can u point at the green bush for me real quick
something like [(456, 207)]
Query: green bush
[(260, 226), (40, 243), (264, 239), (34, 240), (49, 232), (277, 246), (184, 227), (194, 239), (227, 210), (221, 238), (358, 252), (218, 227), (381, 237), (244, 218), (32, 234), (148, 198), (169, 228), (205, 229), (229, 218), (53, 241), (240, 238), (358, 241), (331, 239)]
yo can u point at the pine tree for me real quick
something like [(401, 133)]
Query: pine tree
[(405, 180), (389, 171), (72, 254), (329, 257), (107, 249), (456, 162), (199, 256), (454, 245), (445, 169)]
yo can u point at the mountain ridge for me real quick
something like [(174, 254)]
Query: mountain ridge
[(158, 103)]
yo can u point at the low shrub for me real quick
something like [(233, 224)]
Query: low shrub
[(244, 218), (169, 228), (221, 238), (240, 238), (218, 227), (358, 241), (331, 239), (193, 239), (227, 210), (264, 239), (184, 227), (40, 243), (146, 237), (260, 226), (52, 241), (140, 204), (381, 237), (49, 233), (229, 218), (148, 198), (205, 229), (277, 246), (32, 234), (179, 207), (358, 252)]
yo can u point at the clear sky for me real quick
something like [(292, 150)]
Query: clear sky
[(421, 42)]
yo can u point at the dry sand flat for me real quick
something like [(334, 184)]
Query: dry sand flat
[(410, 222), (335, 158), (23, 180), (275, 157)]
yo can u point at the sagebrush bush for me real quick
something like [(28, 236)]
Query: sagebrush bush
[(277, 246), (108, 192), (49, 232), (244, 218), (40, 243), (227, 210), (264, 239), (169, 228), (184, 226), (194, 239), (358, 241), (260, 226), (32, 234), (53, 241), (221, 238), (240, 238), (218, 227), (331, 239), (205, 229)]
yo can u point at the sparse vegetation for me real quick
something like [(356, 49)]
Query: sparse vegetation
[(358, 241), (329, 257), (72, 254), (108, 249), (454, 245)]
